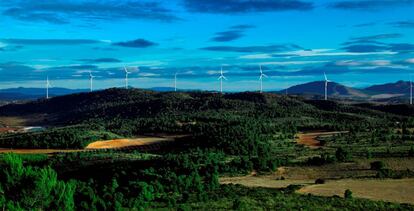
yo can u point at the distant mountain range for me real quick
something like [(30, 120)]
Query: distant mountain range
[(395, 92), (22, 93)]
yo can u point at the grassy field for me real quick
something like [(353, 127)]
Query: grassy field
[(356, 176), (400, 190), (27, 120)]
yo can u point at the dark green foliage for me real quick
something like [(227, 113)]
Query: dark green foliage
[(342, 155), (319, 181), (320, 160), (33, 188), (348, 194), (411, 151), (77, 137), (377, 165)]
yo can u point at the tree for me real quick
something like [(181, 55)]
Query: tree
[(348, 194), (32, 188), (342, 155)]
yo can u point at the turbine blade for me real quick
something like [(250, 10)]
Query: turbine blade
[(326, 78)]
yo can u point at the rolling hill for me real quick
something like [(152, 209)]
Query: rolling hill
[(22, 93), (334, 89), (398, 87)]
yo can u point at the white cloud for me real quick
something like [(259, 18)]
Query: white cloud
[(257, 56), (213, 72), (411, 61), (292, 63), (148, 74), (331, 52)]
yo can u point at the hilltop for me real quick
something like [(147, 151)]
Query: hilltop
[(334, 90)]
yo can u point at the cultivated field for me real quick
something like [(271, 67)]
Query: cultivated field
[(392, 190), (310, 139), (107, 144), (339, 177), (120, 143)]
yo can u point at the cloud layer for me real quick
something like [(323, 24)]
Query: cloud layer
[(245, 6), (62, 11), (138, 43), (370, 4)]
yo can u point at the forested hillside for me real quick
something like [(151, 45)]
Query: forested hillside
[(230, 134)]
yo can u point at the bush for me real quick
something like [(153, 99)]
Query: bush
[(411, 152), (348, 194), (377, 165), (342, 155), (319, 181)]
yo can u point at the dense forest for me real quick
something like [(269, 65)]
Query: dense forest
[(230, 134)]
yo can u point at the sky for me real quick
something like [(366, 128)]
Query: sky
[(356, 42)]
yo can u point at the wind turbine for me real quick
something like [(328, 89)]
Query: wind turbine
[(221, 77), (175, 82), (47, 87), (411, 91), (261, 78), (91, 80), (126, 77), (326, 85)]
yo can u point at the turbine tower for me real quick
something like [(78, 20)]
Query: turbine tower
[(411, 91), (47, 87), (91, 81), (175, 82), (221, 77), (126, 77), (326, 86), (261, 78)]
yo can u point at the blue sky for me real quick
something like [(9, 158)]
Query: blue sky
[(356, 42)]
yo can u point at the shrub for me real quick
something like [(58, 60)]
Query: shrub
[(319, 181), (411, 152), (377, 165), (348, 194), (342, 155)]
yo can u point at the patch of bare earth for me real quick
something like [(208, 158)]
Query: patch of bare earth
[(120, 143), (392, 190), (310, 140), (108, 144), (27, 120)]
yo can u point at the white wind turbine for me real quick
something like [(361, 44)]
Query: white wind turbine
[(126, 77), (91, 80), (221, 77), (411, 91), (175, 82), (261, 78), (326, 85), (47, 87)]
